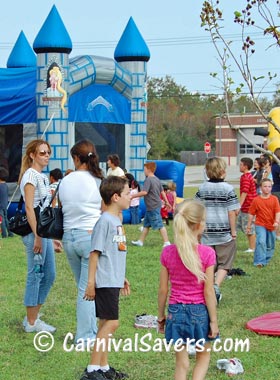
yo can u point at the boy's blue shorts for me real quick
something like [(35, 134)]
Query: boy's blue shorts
[(153, 219)]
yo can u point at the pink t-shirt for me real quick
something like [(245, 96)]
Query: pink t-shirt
[(185, 287)]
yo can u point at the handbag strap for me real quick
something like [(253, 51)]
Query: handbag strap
[(20, 203), (55, 192)]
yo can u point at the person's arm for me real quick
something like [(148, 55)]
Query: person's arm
[(174, 202), (277, 220), (125, 291), (242, 198), (211, 302), (232, 222), (29, 191), (164, 197), (249, 223), (141, 193), (92, 266), (162, 297)]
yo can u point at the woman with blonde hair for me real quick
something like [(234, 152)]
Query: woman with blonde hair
[(35, 189), (189, 268)]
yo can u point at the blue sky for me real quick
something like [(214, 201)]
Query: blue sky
[(179, 47)]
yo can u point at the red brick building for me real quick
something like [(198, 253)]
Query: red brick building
[(230, 144)]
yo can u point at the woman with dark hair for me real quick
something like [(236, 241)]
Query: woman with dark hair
[(81, 206), (35, 189), (113, 161)]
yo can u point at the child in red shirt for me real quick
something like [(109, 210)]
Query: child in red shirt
[(265, 207)]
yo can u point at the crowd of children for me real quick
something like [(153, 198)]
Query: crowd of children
[(193, 268)]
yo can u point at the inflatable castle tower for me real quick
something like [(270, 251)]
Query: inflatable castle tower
[(63, 93)]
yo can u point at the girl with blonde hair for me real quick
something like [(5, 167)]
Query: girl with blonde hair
[(189, 269)]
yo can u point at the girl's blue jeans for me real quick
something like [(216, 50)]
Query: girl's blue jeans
[(134, 212), (77, 245)]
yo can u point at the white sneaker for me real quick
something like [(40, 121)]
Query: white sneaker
[(234, 367), (145, 321), (24, 322), (249, 250), (137, 242), (39, 326), (222, 364), (165, 244), (231, 366)]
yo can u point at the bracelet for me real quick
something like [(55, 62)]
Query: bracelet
[(161, 321)]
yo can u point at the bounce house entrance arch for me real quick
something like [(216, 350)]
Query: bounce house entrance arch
[(79, 97)]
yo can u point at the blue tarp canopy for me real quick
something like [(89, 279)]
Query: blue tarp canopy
[(99, 103), (18, 96)]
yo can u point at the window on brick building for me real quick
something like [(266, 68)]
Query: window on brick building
[(249, 149)]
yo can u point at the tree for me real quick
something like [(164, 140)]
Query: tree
[(177, 119), (212, 20)]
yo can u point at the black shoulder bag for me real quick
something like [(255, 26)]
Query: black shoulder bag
[(50, 220), (18, 223)]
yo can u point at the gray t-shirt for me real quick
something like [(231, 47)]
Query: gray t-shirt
[(153, 187), (109, 239)]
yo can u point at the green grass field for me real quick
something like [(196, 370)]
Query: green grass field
[(244, 298)]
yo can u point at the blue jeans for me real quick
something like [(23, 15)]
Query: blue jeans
[(265, 245), (5, 224), (38, 285), (134, 212), (77, 245)]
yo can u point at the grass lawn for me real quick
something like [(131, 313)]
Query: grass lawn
[(244, 298)]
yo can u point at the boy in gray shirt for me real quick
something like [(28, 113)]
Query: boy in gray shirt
[(106, 276), (152, 189)]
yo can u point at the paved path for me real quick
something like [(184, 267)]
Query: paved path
[(194, 175)]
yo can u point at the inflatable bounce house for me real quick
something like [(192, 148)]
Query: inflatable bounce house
[(45, 94)]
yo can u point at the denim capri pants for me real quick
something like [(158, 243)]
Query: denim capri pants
[(187, 322)]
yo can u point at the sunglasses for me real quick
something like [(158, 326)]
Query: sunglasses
[(43, 153)]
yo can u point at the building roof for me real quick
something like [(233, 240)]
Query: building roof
[(131, 46), (53, 36), (22, 54)]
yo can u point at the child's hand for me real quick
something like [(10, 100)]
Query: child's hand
[(125, 291), (275, 225), (214, 330), (89, 293), (161, 325)]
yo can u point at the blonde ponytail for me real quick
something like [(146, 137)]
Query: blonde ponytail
[(187, 217)]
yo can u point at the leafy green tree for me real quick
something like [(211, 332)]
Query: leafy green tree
[(177, 119)]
